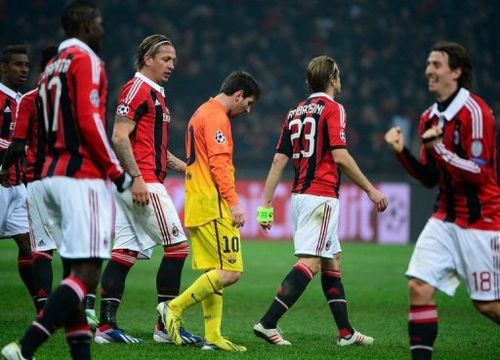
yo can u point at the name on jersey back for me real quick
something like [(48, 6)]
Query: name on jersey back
[(306, 109)]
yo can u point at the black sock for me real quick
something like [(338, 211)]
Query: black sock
[(112, 287), (290, 290), (25, 268), (61, 304), (422, 329), (78, 335), (334, 293), (42, 276), (168, 279), (90, 300)]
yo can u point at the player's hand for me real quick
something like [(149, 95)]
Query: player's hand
[(238, 214), (139, 190), (4, 178), (379, 199), (432, 136), (265, 217), (394, 137)]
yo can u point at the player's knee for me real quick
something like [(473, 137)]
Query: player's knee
[(227, 278), (313, 263), (420, 292), (490, 309)]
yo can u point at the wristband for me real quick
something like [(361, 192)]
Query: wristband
[(139, 175), (431, 138), (264, 214)]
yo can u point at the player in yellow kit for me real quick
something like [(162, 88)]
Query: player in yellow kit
[(213, 212)]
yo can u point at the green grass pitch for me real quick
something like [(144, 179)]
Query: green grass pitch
[(376, 293)]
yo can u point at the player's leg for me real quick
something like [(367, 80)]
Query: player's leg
[(42, 276), (490, 309), (25, 263), (431, 267)]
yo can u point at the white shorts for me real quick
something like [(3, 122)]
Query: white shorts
[(315, 221), (83, 213), (13, 211), (41, 225), (445, 253), (142, 228)]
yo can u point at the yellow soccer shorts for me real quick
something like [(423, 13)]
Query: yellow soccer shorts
[(216, 245)]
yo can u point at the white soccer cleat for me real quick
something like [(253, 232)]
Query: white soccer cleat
[(355, 339), (272, 336), (172, 321), (161, 336), (108, 335), (12, 351)]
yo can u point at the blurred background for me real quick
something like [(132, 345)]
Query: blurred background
[(380, 46)]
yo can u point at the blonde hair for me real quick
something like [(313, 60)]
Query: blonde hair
[(150, 46), (319, 72)]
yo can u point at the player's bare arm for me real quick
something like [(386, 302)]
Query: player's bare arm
[(394, 137), (174, 163), (264, 217), (348, 165), (12, 154), (123, 148)]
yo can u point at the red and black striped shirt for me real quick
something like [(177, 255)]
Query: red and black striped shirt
[(311, 130), (463, 165)]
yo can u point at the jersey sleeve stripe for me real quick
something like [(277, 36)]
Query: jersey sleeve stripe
[(4, 144), (477, 118), (96, 69), (134, 89), (342, 116), (456, 161)]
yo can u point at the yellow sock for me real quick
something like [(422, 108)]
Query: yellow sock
[(212, 314), (203, 287)]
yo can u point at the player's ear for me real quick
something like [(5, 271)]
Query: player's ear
[(238, 96), (456, 73), (148, 59)]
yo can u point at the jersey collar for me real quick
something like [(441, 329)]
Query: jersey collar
[(151, 83), (454, 107), (76, 42), (10, 92), (316, 94)]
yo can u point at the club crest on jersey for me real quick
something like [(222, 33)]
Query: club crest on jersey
[(122, 109), (328, 244), (175, 231), (342, 136), (476, 148), (219, 137), (94, 98), (166, 117)]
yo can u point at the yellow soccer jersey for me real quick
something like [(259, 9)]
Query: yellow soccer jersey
[(210, 188)]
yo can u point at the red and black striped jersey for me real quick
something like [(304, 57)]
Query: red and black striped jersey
[(9, 101), (143, 101), (73, 90), (29, 114), (463, 165), (310, 132)]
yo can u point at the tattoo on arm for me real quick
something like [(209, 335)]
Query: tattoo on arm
[(175, 163), (123, 149)]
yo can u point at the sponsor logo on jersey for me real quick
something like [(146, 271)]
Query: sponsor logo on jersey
[(122, 109), (94, 98), (219, 137)]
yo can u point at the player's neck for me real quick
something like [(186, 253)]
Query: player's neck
[(447, 93), (225, 101), (10, 86)]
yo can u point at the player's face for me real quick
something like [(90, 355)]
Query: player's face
[(15, 72), (96, 32), (442, 81), (242, 104), (337, 85), (163, 63)]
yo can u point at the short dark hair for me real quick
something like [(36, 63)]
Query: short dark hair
[(150, 46), (10, 50), (319, 72), (48, 53), (458, 57), (240, 80), (75, 13)]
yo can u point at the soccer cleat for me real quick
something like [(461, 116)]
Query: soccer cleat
[(272, 336), (355, 339), (222, 344), (12, 351), (161, 336), (172, 321), (92, 319), (106, 334)]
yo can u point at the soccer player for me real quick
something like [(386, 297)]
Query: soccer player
[(314, 137), (74, 186), (213, 212), (147, 217), (14, 67), (461, 240)]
